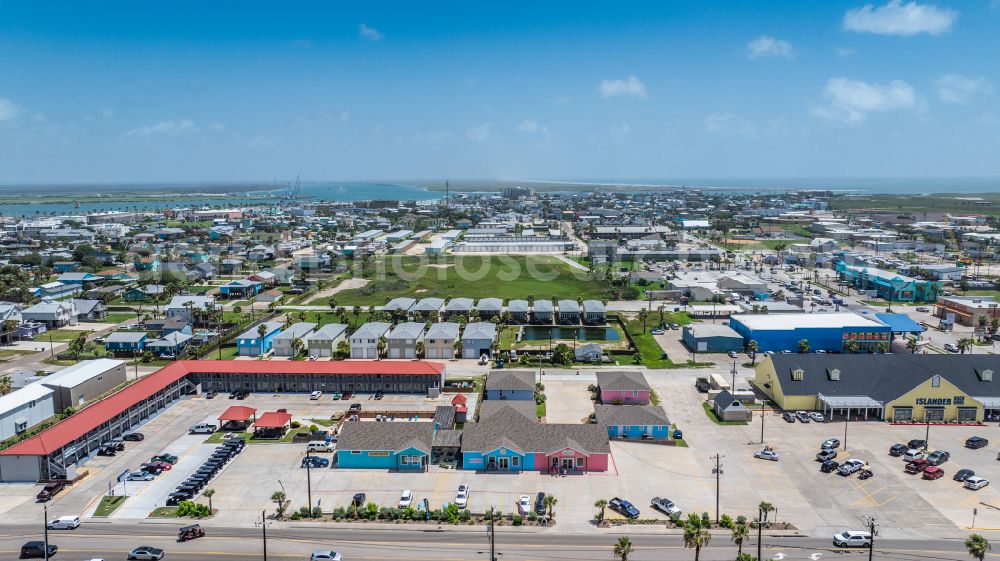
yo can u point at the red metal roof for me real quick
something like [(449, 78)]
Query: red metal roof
[(459, 399), (273, 420), (238, 413), (92, 416)]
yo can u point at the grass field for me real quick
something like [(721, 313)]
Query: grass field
[(917, 204), (994, 293), (473, 277), (60, 335), (117, 317), (650, 351), (108, 505)]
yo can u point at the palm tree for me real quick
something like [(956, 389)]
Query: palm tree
[(207, 493), (6, 383), (643, 314), (696, 534), (419, 348), (741, 533), (600, 505), (550, 501), (622, 549), (851, 346), (238, 309), (752, 348), (765, 507), (964, 344), (804, 346), (911, 344), (356, 311), (262, 330), (297, 345), (458, 348), (978, 546), (381, 345), (279, 499)]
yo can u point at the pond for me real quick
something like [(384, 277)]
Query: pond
[(542, 333)]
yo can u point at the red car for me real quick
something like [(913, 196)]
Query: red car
[(916, 466), (165, 466), (933, 472)]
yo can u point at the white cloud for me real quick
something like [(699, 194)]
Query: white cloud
[(848, 101), (729, 124), (897, 18), (631, 86), (369, 33), (954, 88), (767, 46), (164, 128), (530, 126), (8, 109), (482, 133)]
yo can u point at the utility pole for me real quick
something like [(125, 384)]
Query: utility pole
[(927, 433), (873, 531), (762, 422), (45, 521), (309, 488), (845, 431), (718, 472), (491, 534), (733, 387), (760, 529), (263, 529)]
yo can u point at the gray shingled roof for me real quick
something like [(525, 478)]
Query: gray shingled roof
[(448, 438), (883, 377), (621, 380), (459, 305), (516, 306), (542, 306), (444, 416), (391, 436), (489, 408), (406, 330), (490, 305), (403, 304), (512, 430), (593, 306), (630, 415), (428, 305), (568, 306), (296, 330), (371, 330), (328, 332), (444, 330), (480, 330), (510, 380)]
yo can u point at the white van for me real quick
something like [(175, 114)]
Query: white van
[(319, 446), (202, 428), (316, 395), (65, 523)]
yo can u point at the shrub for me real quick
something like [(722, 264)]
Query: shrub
[(296, 424), (676, 519), (517, 520), (190, 508), (705, 519), (466, 515), (317, 512), (339, 513), (532, 517), (726, 521), (313, 428), (296, 516), (741, 519)]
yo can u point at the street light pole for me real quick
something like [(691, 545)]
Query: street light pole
[(718, 472), (263, 529), (45, 522), (762, 422), (309, 491), (760, 529)]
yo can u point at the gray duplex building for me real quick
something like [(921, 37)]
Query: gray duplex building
[(402, 340)]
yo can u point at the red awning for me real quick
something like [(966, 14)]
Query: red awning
[(238, 413), (273, 420)]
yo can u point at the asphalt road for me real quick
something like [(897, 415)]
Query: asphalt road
[(113, 541)]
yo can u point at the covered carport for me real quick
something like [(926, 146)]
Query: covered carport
[(845, 406), (237, 417)]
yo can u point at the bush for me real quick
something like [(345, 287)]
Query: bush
[(517, 520), (705, 519), (192, 509), (339, 513), (313, 428), (295, 516), (466, 515), (741, 519), (532, 517), (676, 519), (296, 424), (726, 521)]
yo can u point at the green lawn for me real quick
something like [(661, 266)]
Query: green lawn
[(108, 505), (60, 335), (540, 410), (117, 317), (993, 293), (228, 353), (710, 413), (164, 512), (650, 351), (474, 277)]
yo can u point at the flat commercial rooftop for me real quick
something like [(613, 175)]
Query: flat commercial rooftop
[(804, 321)]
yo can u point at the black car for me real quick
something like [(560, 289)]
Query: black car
[(106, 451), (788, 417), (897, 449), (118, 445), (358, 500), (623, 507), (173, 499), (975, 442), (151, 468), (315, 462), (917, 444), (379, 395), (963, 474), (133, 436), (540, 504), (37, 549), (938, 457), (211, 394), (829, 466)]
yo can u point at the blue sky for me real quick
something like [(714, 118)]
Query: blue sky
[(222, 91)]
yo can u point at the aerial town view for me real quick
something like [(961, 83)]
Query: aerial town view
[(453, 281)]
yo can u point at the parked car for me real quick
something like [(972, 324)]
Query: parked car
[(666, 506), (826, 454), (938, 457), (853, 538), (462, 497), (325, 556), (916, 466), (523, 505), (830, 443), (211, 394), (168, 458), (335, 396), (146, 552), (963, 474), (897, 449), (64, 523), (623, 507), (133, 436), (406, 499), (951, 347), (202, 428), (802, 416), (50, 490), (37, 549), (850, 466), (140, 476), (106, 451), (732, 354), (976, 442), (828, 466), (540, 504), (913, 454), (917, 443), (164, 466), (933, 472), (315, 395), (315, 462), (817, 416), (766, 454), (975, 483), (788, 416), (923, 309)]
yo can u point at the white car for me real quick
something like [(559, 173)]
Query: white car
[(524, 505), (975, 482), (766, 455), (850, 466), (315, 395), (913, 454), (853, 538), (140, 476), (325, 556), (818, 417), (462, 498), (406, 499), (64, 523)]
